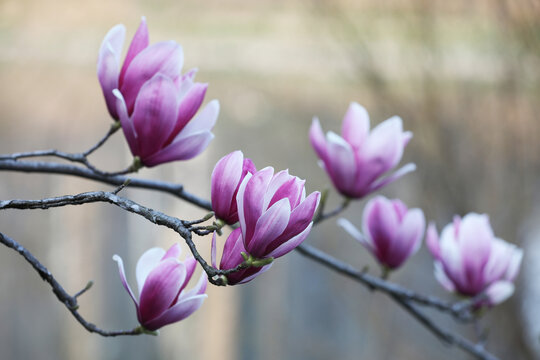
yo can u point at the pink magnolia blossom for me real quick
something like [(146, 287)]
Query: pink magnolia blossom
[(161, 279), (231, 257), (392, 233), (471, 261), (155, 103), (356, 160), (275, 214), (226, 179)]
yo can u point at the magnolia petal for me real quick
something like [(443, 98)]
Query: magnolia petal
[(275, 184), (183, 149), (290, 244), (165, 58), (189, 105), (356, 234), (232, 250), (139, 43), (173, 252), (515, 261), (292, 190), (198, 289), (341, 163), (160, 289), (405, 169), (475, 240), (408, 238), (300, 218), (253, 200), (127, 124), (442, 278), (122, 273), (317, 139), (384, 144), (154, 115), (240, 203), (499, 292), (380, 224), (108, 66), (355, 128), (147, 262), (246, 279), (432, 241), (204, 121), (269, 226), (225, 180), (178, 312)]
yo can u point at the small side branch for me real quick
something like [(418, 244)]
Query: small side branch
[(69, 301)]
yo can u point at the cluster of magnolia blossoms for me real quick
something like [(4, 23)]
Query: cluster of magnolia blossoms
[(158, 109), (469, 259), (274, 212)]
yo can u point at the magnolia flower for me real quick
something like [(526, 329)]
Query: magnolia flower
[(226, 179), (392, 233), (471, 261), (231, 258), (275, 214), (161, 279), (356, 161), (154, 102)]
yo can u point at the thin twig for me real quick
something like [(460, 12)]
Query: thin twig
[(70, 169), (69, 301)]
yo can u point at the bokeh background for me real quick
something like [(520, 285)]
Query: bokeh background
[(463, 75)]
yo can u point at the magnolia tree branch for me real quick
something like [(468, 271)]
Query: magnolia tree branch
[(70, 301), (461, 311), (181, 227)]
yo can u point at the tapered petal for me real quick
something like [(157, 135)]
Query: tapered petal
[(290, 244), (432, 241), (178, 312), (408, 238), (183, 149), (475, 239), (165, 57), (516, 255), (277, 181), (355, 128), (317, 139), (384, 145), (380, 223), (269, 226), (127, 125), (122, 273), (380, 183), (341, 163), (204, 121), (300, 218), (225, 180), (139, 43), (147, 262), (108, 66), (154, 114), (160, 289), (441, 277), (250, 201), (499, 292), (189, 105), (356, 234)]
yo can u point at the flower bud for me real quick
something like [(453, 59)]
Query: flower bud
[(392, 233)]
